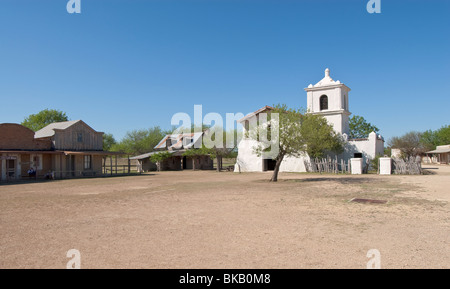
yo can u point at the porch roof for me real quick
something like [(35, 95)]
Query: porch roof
[(101, 153), (175, 153), (439, 151), (27, 152)]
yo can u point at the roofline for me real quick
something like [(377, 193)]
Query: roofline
[(255, 113), (438, 151), (326, 87), (62, 129), (28, 152), (107, 153)]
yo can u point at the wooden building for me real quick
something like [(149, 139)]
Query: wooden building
[(59, 150), (441, 154), (177, 144)]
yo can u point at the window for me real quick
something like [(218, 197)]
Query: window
[(36, 162), (11, 164), (187, 141), (11, 168), (323, 102), (87, 162), (80, 137)]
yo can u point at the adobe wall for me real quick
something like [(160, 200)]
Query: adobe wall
[(17, 137)]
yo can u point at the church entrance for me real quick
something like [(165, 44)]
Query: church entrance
[(269, 165)]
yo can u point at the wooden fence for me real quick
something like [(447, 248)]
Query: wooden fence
[(327, 165), (120, 166), (411, 166)]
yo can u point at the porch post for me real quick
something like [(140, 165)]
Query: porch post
[(18, 172), (3, 177)]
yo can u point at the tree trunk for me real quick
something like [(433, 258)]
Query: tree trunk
[(277, 169), (219, 163)]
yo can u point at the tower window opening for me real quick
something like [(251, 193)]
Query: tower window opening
[(323, 102)]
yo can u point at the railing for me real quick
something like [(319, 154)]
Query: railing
[(120, 170)]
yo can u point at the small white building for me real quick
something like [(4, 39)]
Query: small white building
[(328, 98)]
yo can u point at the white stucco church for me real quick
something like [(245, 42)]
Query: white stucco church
[(328, 98)]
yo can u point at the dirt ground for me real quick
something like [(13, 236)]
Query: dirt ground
[(205, 219)]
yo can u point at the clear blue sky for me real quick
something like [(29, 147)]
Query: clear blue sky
[(131, 64)]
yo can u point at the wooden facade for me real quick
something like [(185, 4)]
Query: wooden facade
[(441, 154), (78, 137), (60, 150)]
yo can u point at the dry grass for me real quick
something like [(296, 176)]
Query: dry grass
[(226, 220)]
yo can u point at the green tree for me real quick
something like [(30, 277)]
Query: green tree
[(217, 144), (375, 162), (319, 136), (297, 133), (220, 147), (360, 128), (158, 158), (140, 141), (410, 144), (443, 135), (108, 141), (430, 139), (43, 118)]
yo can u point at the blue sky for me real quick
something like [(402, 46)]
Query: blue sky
[(131, 64)]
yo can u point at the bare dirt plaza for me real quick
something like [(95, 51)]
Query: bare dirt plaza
[(205, 219)]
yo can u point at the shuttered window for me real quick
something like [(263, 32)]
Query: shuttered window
[(323, 102)]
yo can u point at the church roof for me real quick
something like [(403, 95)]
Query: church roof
[(326, 81), (250, 115)]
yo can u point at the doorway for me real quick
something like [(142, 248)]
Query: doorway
[(70, 165), (10, 169), (269, 165)]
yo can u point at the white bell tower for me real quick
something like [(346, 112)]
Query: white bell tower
[(330, 99)]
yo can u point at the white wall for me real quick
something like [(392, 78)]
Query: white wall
[(250, 162), (337, 121), (247, 160), (370, 148), (292, 164)]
